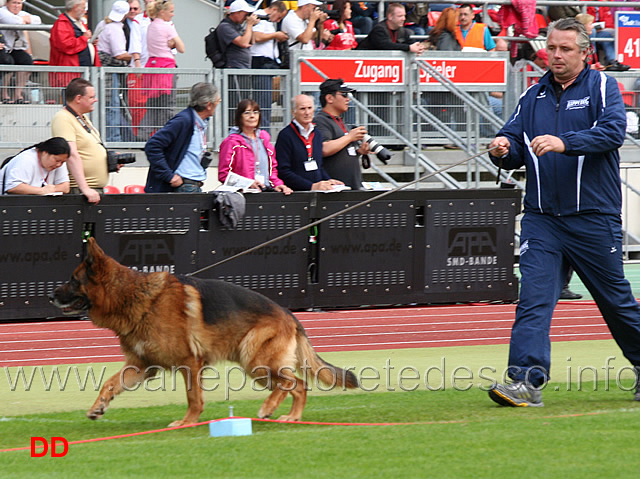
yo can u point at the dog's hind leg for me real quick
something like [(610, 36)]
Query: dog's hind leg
[(272, 402), (127, 378), (298, 390), (195, 393), (265, 376)]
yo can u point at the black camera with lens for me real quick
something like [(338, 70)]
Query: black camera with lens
[(333, 14), (205, 161), (381, 152), (263, 17), (114, 159)]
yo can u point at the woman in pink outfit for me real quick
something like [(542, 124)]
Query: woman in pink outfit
[(162, 38), (248, 151)]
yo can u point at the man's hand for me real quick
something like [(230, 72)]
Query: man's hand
[(253, 19), (316, 15), (364, 148), (546, 143), (92, 195), (417, 47), (503, 145), (283, 189), (324, 185), (280, 36), (176, 181), (357, 134)]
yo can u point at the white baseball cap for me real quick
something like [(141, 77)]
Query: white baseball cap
[(118, 11), (241, 6), (302, 3)]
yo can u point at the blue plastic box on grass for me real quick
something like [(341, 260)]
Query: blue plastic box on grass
[(230, 427)]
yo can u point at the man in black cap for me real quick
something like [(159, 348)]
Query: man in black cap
[(342, 148)]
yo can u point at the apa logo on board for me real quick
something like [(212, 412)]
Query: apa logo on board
[(472, 247), (148, 253)]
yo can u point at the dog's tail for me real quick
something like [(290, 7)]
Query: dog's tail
[(310, 363)]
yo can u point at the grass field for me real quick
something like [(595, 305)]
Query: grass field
[(583, 430)]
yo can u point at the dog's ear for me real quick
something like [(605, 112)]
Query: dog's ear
[(94, 252)]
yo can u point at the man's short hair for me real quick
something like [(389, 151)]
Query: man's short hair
[(77, 86), (70, 4), (279, 6), (466, 5), (392, 8), (571, 24), (294, 101), (201, 94)]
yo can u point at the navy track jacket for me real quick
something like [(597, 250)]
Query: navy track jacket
[(589, 117)]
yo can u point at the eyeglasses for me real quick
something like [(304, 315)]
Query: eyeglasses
[(339, 93), (250, 112)]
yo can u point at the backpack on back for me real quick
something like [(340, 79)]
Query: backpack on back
[(214, 49)]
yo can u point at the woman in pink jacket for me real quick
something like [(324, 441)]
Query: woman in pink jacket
[(248, 151)]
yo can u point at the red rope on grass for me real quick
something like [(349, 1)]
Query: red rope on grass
[(313, 423), (142, 433)]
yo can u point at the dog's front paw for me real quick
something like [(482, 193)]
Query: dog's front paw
[(263, 413), (96, 413)]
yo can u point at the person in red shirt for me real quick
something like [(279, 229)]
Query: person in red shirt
[(342, 30), (70, 43)]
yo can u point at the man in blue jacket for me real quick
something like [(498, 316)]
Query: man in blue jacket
[(299, 151), (566, 131), (177, 153)]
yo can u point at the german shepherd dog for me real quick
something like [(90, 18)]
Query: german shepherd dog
[(185, 323)]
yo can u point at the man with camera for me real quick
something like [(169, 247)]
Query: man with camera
[(264, 51), (177, 153), (342, 147), (265, 54), (236, 34), (301, 25), (87, 161)]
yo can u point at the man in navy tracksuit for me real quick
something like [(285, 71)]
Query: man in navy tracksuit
[(566, 130)]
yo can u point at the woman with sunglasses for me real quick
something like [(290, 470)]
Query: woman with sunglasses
[(248, 151)]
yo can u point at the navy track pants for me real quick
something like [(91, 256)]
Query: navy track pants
[(592, 244)]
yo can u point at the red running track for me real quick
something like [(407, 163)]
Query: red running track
[(76, 342)]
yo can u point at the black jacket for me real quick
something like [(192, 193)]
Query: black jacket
[(380, 39)]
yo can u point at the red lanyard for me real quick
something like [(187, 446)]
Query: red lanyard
[(393, 34), (340, 123), (308, 142)]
